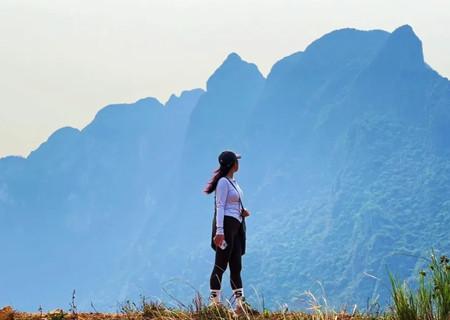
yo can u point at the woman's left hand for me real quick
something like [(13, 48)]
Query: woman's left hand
[(245, 212)]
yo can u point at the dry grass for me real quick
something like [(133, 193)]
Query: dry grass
[(212, 315), (198, 310)]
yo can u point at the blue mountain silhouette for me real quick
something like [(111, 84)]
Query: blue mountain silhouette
[(345, 167)]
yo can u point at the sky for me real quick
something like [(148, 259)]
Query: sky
[(63, 60)]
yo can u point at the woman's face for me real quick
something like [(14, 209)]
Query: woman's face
[(236, 165)]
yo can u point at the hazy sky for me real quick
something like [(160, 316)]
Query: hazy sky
[(63, 60)]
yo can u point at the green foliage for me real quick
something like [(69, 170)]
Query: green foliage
[(441, 286), (431, 300), (57, 315), (404, 300), (146, 309)]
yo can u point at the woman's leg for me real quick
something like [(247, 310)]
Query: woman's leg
[(235, 274), (220, 265), (236, 264), (223, 256)]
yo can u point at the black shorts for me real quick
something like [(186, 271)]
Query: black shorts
[(234, 230)]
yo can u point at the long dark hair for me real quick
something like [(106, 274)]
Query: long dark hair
[(220, 172)]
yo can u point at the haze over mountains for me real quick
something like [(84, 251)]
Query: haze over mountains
[(345, 167)]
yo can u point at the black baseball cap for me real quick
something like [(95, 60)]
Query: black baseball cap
[(228, 157)]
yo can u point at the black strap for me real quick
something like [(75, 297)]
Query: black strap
[(237, 192), (215, 208), (243, 218)]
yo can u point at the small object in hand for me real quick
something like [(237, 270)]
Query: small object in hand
[(223, 245)]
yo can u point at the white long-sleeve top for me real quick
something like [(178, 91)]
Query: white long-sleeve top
[(227, 202)]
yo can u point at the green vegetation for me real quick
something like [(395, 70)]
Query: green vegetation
[(431, 300)]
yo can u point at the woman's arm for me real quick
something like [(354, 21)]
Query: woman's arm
[(221, 198)]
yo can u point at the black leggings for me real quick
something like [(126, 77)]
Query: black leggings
[(232, 255)]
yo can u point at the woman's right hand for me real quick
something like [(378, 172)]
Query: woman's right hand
[(218, 238)]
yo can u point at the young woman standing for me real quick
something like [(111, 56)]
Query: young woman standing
[(228, 229)]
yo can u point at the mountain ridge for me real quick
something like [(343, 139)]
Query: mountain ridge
[(344, 164)]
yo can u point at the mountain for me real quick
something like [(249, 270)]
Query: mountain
[(345, 167), (73, 207), (361, 164)]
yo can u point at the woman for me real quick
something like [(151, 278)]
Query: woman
[(229, 227)]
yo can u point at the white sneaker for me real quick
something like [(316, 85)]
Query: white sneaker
[(214, 298), (239, 298), (240, 307)]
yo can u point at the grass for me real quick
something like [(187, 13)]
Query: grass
[(430, 301), (199, 310)]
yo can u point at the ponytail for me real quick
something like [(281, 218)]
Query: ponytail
[(220, 172)]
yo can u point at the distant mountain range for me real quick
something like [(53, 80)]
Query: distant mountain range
[(345, 168)]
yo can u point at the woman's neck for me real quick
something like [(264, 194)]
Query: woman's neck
[(230, 175)]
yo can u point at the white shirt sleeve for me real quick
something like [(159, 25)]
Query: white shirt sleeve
[(221, 198)]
